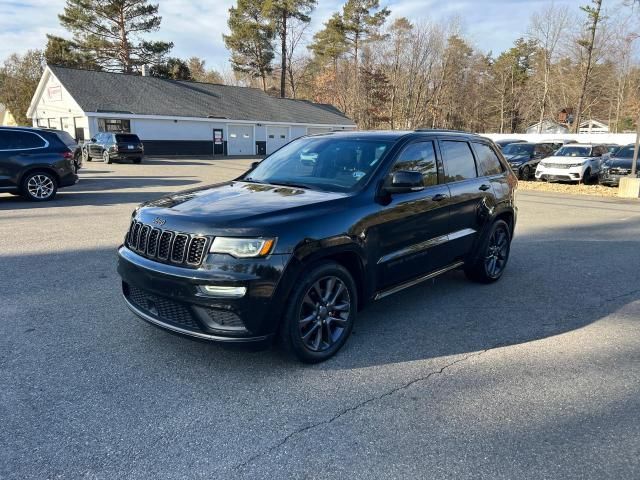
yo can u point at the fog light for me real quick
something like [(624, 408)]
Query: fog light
[(223, 291)]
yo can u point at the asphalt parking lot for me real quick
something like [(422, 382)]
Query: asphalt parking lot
[(537, 376)]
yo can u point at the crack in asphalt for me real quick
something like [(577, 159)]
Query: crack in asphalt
[(404, 386), (358, 406)]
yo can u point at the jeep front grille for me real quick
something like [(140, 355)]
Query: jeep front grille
[(167, 246)]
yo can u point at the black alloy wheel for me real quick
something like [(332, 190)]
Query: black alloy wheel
[(526, 172), (320, 314), (493, 255)]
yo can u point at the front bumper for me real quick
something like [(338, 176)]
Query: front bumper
[(573, 174), (171, 297)]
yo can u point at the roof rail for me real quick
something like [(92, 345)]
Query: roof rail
[(442, 130)]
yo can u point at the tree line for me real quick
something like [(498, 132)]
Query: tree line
[(383, 72)]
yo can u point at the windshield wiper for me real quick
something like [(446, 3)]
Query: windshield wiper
[(293, 185)]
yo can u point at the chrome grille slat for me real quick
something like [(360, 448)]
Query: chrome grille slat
[(167, 246)]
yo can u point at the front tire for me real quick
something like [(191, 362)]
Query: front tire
[(137, 160), (105, 157), (39, 186), (321, 312), (493, 255), (526, 173)]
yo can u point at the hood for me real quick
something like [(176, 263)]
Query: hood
[(518, 158), (565, 160), (237, 205), (621, 162)]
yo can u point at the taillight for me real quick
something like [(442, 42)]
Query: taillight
[(68, 155)]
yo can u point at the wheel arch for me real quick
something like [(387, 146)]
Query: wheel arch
[(38, 168)]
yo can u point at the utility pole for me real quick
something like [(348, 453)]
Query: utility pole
[(635, 150)]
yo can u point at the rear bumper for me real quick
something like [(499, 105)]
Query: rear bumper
[(173, 297), (126, 155), (69, 179)]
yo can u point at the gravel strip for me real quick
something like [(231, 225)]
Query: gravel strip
[(571, 188)]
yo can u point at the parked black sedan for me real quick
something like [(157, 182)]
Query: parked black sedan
[(524, 157), (617, 166), (114, 146)]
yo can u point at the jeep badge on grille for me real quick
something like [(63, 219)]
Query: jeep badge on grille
[(159, 221)]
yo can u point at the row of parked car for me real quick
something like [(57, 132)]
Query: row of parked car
[(35, 162), (568, 161)]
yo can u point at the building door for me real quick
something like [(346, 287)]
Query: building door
[(276, 138), (240, 141), (218, 142)]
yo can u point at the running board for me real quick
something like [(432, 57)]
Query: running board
[(411, 283)]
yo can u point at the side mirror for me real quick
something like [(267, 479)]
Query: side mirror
[(404, 181), (93, 139), (254, 165)]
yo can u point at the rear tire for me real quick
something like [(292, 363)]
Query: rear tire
[(39, 186), (493, 255), (320, 314)]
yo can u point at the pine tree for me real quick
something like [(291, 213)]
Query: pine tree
[(110, 32), (250, 40), (200, 73), (173, 68), (63, 52), (281, 12)]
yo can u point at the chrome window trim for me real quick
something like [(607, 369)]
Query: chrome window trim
[(46, 142), (432, 242)]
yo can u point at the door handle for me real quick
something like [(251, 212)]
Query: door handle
[(484, 187), (439, 197)]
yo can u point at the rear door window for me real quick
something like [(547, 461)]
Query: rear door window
[(419, 157), (17, 140), (458, 160), (488, 162)]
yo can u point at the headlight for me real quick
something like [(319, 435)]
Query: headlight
[(575, 165), (242, 247)]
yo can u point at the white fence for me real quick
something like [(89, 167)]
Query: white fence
[(619, 138)]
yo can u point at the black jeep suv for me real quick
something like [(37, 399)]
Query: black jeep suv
[(114, 146), (35, 162), (296, 246)]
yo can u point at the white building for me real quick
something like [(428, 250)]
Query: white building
[(176, 117)]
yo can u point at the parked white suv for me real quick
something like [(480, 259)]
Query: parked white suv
[(576, 162)]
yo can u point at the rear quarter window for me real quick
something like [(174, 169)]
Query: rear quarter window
[(65, 138), (488, 161)]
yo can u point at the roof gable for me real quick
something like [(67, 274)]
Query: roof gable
[(115, 92)]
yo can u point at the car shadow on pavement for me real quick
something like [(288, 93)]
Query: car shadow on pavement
[(557, 281), (103, 191)]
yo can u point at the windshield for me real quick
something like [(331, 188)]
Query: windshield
[(573, 152), (128, 138), (326, 163), (518, 149), (625, 152)]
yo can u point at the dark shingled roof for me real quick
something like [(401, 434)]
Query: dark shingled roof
[(123, 93)]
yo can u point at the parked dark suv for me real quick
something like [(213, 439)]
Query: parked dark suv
[(114, 146), (36, 162), (296, 246), (525, 157)]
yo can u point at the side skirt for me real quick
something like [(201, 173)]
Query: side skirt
[(415, 281)]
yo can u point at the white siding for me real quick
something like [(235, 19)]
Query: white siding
[(152, 129)]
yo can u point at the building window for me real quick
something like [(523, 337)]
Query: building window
[(114, 125)]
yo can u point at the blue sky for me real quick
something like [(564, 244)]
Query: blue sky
[(196, 27)]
